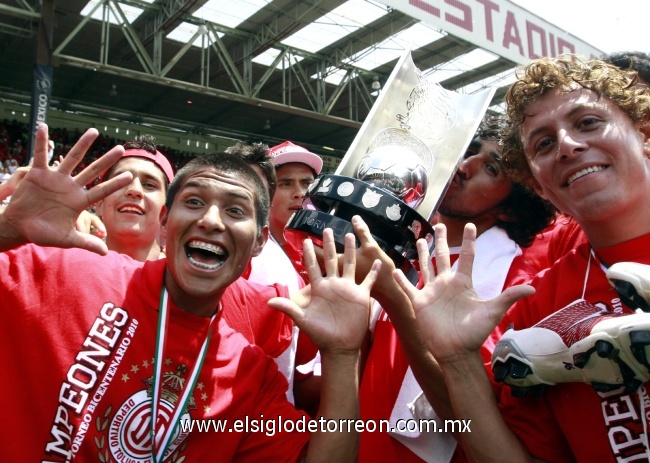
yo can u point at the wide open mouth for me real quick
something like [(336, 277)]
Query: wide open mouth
[(204, 255)]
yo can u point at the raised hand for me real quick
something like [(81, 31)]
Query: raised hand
[(333, 310), (452, 318), (47, 202)]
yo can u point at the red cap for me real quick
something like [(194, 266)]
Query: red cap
[(158, 159), (288, 152)]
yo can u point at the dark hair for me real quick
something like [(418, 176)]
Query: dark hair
[(631, 61), (142, 142), (225, 163), (491, 127), (528, 212), (257, 154)]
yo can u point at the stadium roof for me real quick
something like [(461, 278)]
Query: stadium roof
[(258, 69)]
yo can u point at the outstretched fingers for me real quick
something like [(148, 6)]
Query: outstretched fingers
[(467, 250), (40, 146), (424, 259), (362, 231), (99, 166), (497, 307), (46, 204), (107, 188), (310, 261), (349, 257), (77, 152), (372, 276), (507, 298), (330, 256), (442, 250), (289, 307), (89, 242), (403, 282)]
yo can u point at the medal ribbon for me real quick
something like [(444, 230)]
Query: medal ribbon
[(161, 338)]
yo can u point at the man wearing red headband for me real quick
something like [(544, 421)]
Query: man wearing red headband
[(132, 214)]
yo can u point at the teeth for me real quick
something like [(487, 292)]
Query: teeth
[(216, 250), (130, 209), (205, 246), (204, 265), (584, 172)]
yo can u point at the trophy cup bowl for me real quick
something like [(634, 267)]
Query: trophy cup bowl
[(392, 181), (387, 175), (398, 171)]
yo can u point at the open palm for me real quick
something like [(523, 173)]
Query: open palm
[(333, 310), (453, 320), (45, 205)]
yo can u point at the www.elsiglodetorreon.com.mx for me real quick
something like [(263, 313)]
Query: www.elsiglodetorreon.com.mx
[(270, 426)]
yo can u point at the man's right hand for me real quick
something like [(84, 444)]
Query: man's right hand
[(47, 202)]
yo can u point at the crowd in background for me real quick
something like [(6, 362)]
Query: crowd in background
[(14, 141)]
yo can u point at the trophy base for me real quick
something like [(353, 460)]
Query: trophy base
[(390, 220), (332, 201)]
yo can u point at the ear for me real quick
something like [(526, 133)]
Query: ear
[(645, 133), (162, 233), (260, 241), (163, 221), (533, 185)]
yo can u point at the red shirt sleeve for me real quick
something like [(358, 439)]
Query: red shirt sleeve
[(246, 310)]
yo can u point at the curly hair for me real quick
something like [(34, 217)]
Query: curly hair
[(544, 75), (530, 214), (491, 127)]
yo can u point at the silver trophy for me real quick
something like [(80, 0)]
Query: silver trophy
[(397, 169)]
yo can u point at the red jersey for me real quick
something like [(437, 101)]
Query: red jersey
[(566, 236), (77, 339), (249, 314), (385, 371), (572, 422)]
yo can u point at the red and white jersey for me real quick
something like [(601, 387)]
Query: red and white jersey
[(386, 367), (572, 422), (272, 267), (77, 339)]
